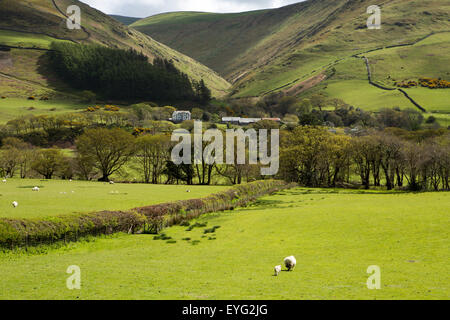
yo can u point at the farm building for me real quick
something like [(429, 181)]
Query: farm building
[(246, 121), (180, 116)]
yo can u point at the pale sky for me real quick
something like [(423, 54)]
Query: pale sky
[(145, 8)]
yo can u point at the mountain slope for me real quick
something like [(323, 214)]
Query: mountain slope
[(272, 50), (37, 20), (125, 20)]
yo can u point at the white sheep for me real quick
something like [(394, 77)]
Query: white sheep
[(15, 204), (188, 191), (111, 182), (290, 263), (277, 270), (36, 189)]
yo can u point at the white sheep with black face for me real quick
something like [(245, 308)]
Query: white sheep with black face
[(290, 263), (277, 270), (15, 204), (111, 182)]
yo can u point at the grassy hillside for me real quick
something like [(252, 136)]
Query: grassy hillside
[(334, 244), (34, 24), (125, 20), (272, 50)]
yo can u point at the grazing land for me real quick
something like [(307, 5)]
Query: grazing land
[(13, 108), (335, 234), (56, 197)]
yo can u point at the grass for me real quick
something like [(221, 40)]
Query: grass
[(442, 119), (360, 93), (433, 100), (56, 197), (26, 40), (13, 108), (334, 243)]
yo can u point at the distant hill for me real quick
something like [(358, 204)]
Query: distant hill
[(312, 45), (35, 23), (125, 20)]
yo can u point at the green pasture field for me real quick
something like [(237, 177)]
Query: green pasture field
[(26, 40), (442, 119), (433, 100), (55, 197), (428, 58), (12, 108), (360, 94), (335, 236)]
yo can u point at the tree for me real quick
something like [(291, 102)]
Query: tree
[(15, 154), (203, 92), (152, 154), (197, 114), (84, 166), (48, 162), (110, 148)]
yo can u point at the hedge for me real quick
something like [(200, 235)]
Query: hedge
[(152, 219)]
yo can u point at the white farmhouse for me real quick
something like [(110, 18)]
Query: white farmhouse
[(180, 116)]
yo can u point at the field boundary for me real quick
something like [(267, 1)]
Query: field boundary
[(17, 233)]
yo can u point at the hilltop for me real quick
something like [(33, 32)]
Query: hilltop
[(317, 45), (29, 26)]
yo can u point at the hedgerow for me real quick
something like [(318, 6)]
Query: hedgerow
[(16, 233)]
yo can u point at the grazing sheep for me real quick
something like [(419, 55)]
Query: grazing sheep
[(290, 263), (36, 189), (4, 180), (277, 270), (111, 182), (188, 191), (15, 204)]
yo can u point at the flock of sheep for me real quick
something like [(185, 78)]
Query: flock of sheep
[(15, 204), (289, 262)]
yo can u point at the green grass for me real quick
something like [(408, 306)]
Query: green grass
[(359, 93), (334, 234), (443, 119), (427, 58), (26, 40), (56, 198), (433, 100), (12, 108)]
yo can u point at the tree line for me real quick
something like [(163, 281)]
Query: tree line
[(310, 156), (314, 157)]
